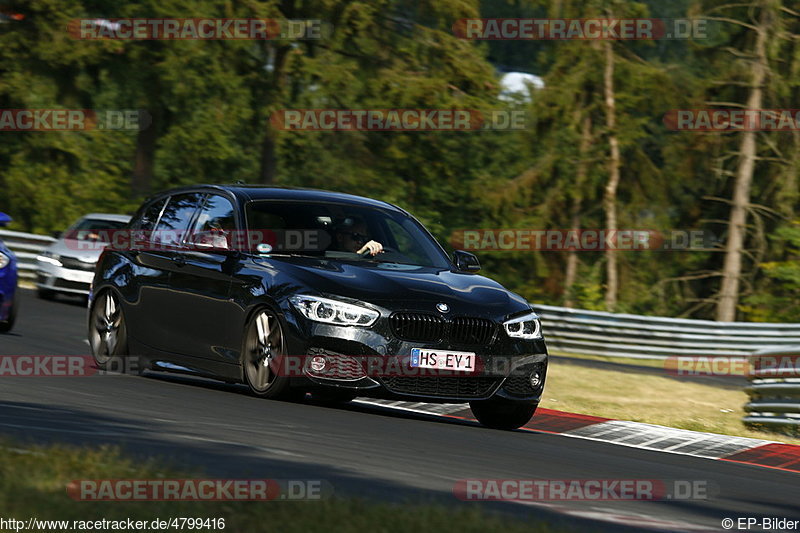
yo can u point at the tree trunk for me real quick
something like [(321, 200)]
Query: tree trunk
[(610, 193), (732, 268), (269, 160), (575, 213), (572, 258), (142, 176)]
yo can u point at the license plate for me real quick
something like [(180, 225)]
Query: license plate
[(442, 359)]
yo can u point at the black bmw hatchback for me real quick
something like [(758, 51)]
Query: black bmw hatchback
[(294, 290)]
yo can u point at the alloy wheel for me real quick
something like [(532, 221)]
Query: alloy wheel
[(264, 348)]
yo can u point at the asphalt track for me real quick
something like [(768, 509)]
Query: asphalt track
[(360, 450)]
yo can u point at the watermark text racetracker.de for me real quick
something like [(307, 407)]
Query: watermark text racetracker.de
[(42, 120), (420, 364), (731, 120), (756, 365), (398, 119), (537, 490), (199, 489), (588, 240), (47, 366), (207, 29), (561, 29), (66, 366), (260, 240)]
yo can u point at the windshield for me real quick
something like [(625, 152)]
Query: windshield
[(93, 229), (339, 231)]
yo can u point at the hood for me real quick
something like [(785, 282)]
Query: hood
[(86, 251), (395, 286)]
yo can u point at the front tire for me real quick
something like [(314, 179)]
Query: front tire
[(262, 356), (108, 333), (499, 413)]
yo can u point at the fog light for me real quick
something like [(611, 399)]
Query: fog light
[(536, 379), (317, 364)]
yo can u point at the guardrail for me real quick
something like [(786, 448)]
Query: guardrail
[(26, 246), (578, 331), (774, 390)]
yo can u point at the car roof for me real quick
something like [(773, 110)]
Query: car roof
[(268, 192), (107, 216)]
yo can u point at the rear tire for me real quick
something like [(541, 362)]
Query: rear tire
[(8, 323), (499, 413), (108, 333), (262, 354)]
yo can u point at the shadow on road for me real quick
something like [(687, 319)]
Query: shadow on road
[(32, 423)]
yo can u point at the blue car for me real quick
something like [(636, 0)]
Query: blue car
[(8, 283)]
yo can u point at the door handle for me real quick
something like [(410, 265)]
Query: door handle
[(179, 260)]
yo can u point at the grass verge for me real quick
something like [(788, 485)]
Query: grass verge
[(628, 361), (33, 483), (639, 397)]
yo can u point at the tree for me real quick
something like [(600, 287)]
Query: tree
[(755, 68)]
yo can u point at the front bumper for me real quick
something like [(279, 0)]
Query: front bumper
[(60, 279), (374, 362)]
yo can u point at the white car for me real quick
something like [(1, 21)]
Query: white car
[(67, 265)]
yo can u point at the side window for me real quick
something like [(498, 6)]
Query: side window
[(175, 219), (215, 224), (146, 218)]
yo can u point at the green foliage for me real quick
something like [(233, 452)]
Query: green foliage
[(211, 103), (781, 300)]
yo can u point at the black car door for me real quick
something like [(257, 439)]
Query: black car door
[(159, 314), (201, 285)]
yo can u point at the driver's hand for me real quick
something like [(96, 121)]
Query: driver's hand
[(373, 247)]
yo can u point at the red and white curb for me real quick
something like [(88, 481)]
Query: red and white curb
[(743, 450)]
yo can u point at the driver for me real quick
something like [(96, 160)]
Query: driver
[(352, 236)]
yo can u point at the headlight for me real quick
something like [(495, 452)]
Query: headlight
[(4, 260), (333, 311), (49, 258), (524, 327)]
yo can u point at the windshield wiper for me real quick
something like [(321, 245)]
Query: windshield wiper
[(285, 254)]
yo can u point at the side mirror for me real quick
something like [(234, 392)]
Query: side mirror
[(4, 219), (465, 261), (57, 234)]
